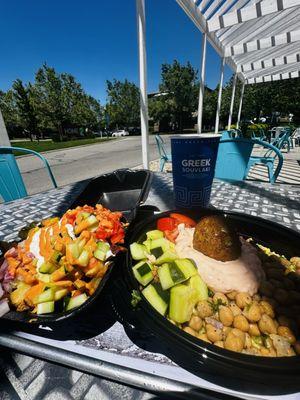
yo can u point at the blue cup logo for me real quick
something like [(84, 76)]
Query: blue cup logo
[(193, 163)]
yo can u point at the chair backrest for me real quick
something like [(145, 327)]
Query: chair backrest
[(161, 146), (11, 182), (233, 157)]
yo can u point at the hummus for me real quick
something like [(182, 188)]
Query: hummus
[(243, 274)]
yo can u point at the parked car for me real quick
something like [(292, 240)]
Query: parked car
[(120, 132)]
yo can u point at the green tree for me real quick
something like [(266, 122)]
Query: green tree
[(123, 103), (179, 84)]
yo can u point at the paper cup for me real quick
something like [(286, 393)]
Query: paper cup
[(193, 163)]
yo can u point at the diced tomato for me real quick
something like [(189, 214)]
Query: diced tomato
[(166, 224), (171, 235), (183, 219)]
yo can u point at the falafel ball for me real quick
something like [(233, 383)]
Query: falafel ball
[(215, 238)]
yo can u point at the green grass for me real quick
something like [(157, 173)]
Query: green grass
[(49, 145)]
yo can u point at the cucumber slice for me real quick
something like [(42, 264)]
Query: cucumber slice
[(138, 251), (103, 246), (47, 268), (170, 275), (187, 267), (166, 257), (46, 296), (161, 242), (157, 297), (100, 255), (92, 220), (155, 234), (143, 272), (44, 277), (199, 285), (157, 252), (45, 308), (85, 214), (147, 244), (74, 249), (182, 301), (59, 294), (75, 302), (83, 259)]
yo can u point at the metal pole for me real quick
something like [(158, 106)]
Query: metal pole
[(220, 95), (232, 101), (140, 8), (240, 106), (202, 81), (4, 139)]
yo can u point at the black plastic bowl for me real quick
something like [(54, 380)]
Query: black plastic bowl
[(199, 356), (110, 190)]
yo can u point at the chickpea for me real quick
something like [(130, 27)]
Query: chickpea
[(271, 301), (225, 315), (204, 309), (195, 323), (295, 261), (213, 333), (266, 308), (242, 299), (266, 288), (240, 322), (282, 296), (253, 314), (287, 333), (204, 337), (264, 351), (275, 273), (220, 298), (234, 341), (219, 343), (297, 347), (232, 295), (253, 330), (226, 330), (248, 341), (266, 324), (235, 309), (189, 330)]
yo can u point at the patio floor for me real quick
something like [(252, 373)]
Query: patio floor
[(290, 172)]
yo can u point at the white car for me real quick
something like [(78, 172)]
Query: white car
[(120, 132)]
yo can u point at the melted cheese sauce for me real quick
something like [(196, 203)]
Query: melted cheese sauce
[(243, 274)]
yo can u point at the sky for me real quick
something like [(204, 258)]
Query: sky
[(96, 40)]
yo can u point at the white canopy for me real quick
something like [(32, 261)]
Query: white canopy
[(260, 39)]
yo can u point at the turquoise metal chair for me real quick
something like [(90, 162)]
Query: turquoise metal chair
[(234, 159), (11, 182), (164, 156), (283, 140)]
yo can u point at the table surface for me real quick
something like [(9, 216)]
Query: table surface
[(110, 351)]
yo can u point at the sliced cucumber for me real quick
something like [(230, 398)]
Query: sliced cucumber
[(170, 275), (85, 214), (200, 286), (157, 252), (182, 301), (138, 251), (92, 220), (100, 255), (143, 272), (147, 244), (166, 257), (103, 246), (45, 308), (187, 267), (74, 249), (157, 297), (59, 294), (47, 268), (155, 234), (161, 242), (75, 302), (83, 259), (44, 277), (46, 296)]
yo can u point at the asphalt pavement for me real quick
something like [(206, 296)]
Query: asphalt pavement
[(77, 163)]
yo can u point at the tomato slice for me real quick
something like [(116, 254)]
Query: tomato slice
[(183, 219), (166, 224), (171, 235)]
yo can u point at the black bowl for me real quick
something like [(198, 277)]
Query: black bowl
[(123, 190), (194, 354)]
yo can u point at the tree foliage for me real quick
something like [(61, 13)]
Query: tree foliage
[(123, 106)]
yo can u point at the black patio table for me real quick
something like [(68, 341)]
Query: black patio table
[(113, 353)]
